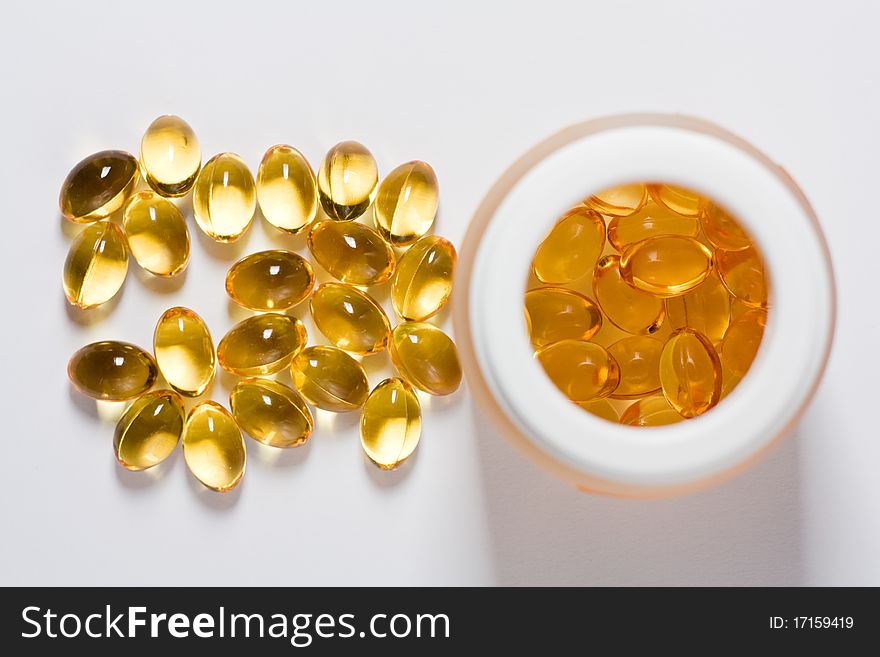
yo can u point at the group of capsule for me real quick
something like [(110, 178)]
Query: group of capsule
[(646, 304), (330, 377)]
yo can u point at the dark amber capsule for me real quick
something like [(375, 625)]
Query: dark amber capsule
[(742, 273), (271, 413), (422, 282), (680, 200), (601, 407), (639, 360), (391, 423), (741, 341), (620, 201), (723, 230), (667, 265), (270, 280), (631, 310), (554, 314), (706, 309), (96, 265), (113, 371), (98, 186), (582, 370), (149, 430), (350, 319), (213, 447), (261, 345), (351, 252), (330, 379), (690, 373), (426, 357), (572, 247), (651, 221), (650, 412)]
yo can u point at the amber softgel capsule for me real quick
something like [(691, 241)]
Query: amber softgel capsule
[(352, 252), (270, 280), (572, 247), (391, 423), (620, 201), (582, 370), (287, 190), (170, 156), (261, 345), (271, 413), (98, 186), (352, 320), (330, 379), (347, 180), (426, 357), (157, 234), (422, 282), (224, 198), (666, 265), (213, 447), (555, 313), (690, 373), (632, 310), (112, 371), (149, 430), (184, 351), (406, 203), (96, 265)]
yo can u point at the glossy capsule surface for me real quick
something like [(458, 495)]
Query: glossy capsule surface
[(742, 273), (330, 379), (391, 423), (184, 351), (170, 156), (347, 180), (741, 341), (603, 408), (680, 200), (286, 189), (112, 371), (350, 319), (651, 221), (722, 230), (157, 234), (270, 280), (631, 310), (650, 412), (425, 357), (705, 309), (98, 186), (271, 413), (406, 203), (620, 201), (422, 281), (638, 358), (667, 265), (555, 313), (261, 345), (690, 373), (149, 430), (224, 198), (213, 447), (96, 265), (582, 370), (352, 253), (572, 247)]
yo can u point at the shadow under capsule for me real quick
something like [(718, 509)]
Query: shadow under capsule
[(383, 478), (212, 499), (278, 457), (160, 284), (95, 314), (141, 479), (281, 239), (104, 411), (224, 251)]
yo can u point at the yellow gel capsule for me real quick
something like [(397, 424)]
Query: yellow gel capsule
[(157, 234), (261, 345), (742, 273), (112, 371), (170, 156), (330, 379), (629, 309), (582, 370), (572, 248), (422, 281), (554, 314), (347, 180), (603, 408), (287, 189), (705, 309), (638, 358), (270, 280), (391, 423), (690, 373), (271, 413), (213, 447), (96, 265), (98, 186), (352, 253), (741, 342), (722, 230), (224, 198), (426, 357), (620, 201), (184, 351), (677, 199), (650, 412), (406, 203), (350, 319), (149, 430), (651, 221), (666, 266)]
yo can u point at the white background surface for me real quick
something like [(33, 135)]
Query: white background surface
[(467, 87)]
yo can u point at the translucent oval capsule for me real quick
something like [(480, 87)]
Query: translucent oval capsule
[(652, 220), (422, 281), (330, 379), (572, 247), (742, 273), (638, 358), (406, 203), (170, 156), (677, 199), (270, 280), (271, 413), (650, 412), (690, 373), (184, 351), (157, 234), (287, 189), (722, 230), (352, 253), (261, 345), (149, 430), (112, 371), (425, 357), (213, 447), (601, 407), (391, 423), (350, 319), (96, 265), (705, 309), (554, 314), (347, 180), (224, 198), (741, 341), (620, 201), (98, 186), (629, 309), (582, 370), (666, 266)]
